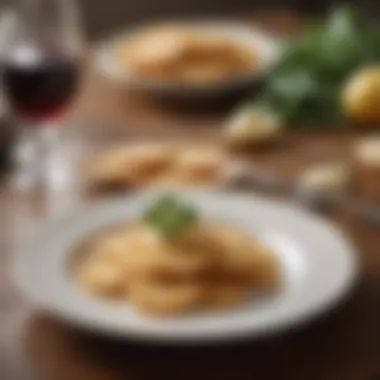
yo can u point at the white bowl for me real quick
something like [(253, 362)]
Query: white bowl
[(318, 267), (253, 38)]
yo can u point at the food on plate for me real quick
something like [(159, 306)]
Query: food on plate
[(128, 164), (199, 163), (221, 296), (157, 45), (330, 179), (361, 96), (102, 277), (186, 55), (160, 298), (172, 262), (155, 165), (305, 88), (251, 126), (367, 168)]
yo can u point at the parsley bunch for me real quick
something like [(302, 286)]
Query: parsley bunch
[(304, 88)]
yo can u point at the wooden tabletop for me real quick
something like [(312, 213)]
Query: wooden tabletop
[(344, 345)]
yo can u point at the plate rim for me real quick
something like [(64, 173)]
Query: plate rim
[(296, 319)]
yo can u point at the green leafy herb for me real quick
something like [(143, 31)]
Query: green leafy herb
[(305, 86), (170, 216)]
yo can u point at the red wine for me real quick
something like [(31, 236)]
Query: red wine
[(40, 83)]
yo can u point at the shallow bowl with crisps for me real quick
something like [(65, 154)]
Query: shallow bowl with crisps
[(203, 83), (318, 267)]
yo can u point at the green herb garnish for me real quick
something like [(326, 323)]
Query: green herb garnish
[(170, 216)]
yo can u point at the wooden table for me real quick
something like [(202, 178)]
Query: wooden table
[(343, 345)]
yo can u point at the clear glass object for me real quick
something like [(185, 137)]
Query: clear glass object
[(41, 64)]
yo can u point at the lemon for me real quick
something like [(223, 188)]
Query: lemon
[(361, 96), (252, 126)]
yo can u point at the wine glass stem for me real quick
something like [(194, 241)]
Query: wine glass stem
[(41, 157)]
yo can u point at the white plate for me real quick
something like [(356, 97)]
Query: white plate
[(253, 38), (318, 266)]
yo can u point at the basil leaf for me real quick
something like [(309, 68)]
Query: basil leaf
[(169, 216)]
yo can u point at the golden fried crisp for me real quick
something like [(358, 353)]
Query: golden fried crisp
[(128, 165), (208, 266), (165, 299), (102, 278), (220, 295), (170, 181), (155, 165), (166, 259), (142, 252), (147, 161), (199, 73), (156, 46), (243, 259), (201, 162), (107, 169), (187, 55)]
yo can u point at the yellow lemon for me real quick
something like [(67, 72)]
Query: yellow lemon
[(361, 96), (252, 126)]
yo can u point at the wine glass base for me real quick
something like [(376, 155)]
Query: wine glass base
[(43, 160)]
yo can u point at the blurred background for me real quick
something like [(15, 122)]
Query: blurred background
[(101, 17)]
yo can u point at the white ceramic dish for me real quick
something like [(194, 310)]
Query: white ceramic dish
[(253, 38), (318, 265)]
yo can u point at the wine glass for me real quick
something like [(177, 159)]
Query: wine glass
[(41, 63)]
